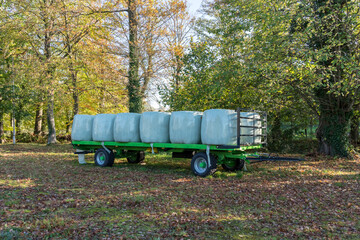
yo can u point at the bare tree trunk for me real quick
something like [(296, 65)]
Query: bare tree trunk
[(38, 119), (51, 119)]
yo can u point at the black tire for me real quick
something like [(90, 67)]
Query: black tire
[(103, 158), (200, 166), (241, 164), (234, 165), (136, 157)]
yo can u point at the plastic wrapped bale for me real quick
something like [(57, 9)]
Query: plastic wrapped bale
[(82, 128), (126, 127), (250, 119), (218, 127), (154, 127), (103, 128), (185, 127)]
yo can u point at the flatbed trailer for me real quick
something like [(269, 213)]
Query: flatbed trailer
[(204, 158)]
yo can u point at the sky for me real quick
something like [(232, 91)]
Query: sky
[(194, 5)]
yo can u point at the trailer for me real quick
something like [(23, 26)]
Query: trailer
[(204, 158)]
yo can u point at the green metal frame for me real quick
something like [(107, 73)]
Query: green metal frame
[(224, 155)]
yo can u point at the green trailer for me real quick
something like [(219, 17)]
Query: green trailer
[(204, 158)]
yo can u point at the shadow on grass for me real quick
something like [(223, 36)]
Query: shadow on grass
[(48, 195)]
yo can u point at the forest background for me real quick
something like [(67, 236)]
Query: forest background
[(297, 60)]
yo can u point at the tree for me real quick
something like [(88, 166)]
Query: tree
[(288, 52), (331, 29), (144, 30), (62, 53)]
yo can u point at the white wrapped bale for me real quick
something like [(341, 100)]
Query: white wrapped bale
[(154, 127), (185, 127), (82, 128), (103, 128), (219, 127), (127, 127)]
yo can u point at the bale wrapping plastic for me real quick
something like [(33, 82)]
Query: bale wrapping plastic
[(218, 127), (127, 127), (82, 128), (103, 128), (185, 127), (154, 127)]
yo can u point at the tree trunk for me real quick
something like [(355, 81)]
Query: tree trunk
[(275, 135), (354, 131), (51, 119), (75, 96), (69, 118), (2, 128), (101, 108), (38, 119), (147, 76), (354, 128), (133, 86), (43, 126), (12, 125), (73, 76), (75, 92), (68, 127), (311, 127), (18, 125), (332, 133)]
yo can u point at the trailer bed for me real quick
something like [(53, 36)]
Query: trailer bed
[(205, 158)]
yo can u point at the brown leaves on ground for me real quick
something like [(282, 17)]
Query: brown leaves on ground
[(45, 193)]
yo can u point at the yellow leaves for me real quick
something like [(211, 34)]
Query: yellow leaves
[(18, 183)]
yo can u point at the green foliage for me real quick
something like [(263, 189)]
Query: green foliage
[(333, 48), (295, 59)]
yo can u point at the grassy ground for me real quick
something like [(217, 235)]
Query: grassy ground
[(44, 193)]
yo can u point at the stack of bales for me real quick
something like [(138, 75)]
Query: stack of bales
[(213, 127)]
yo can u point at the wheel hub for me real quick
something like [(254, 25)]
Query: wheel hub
[(200, 165), (101, 158)]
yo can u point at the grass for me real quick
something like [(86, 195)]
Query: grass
[(46, 194)]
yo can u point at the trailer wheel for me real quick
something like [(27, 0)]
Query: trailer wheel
[(241, 164), (103, 158), (136, 157), (200, 165), (232, 165)]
